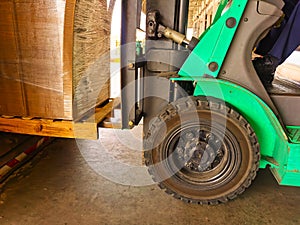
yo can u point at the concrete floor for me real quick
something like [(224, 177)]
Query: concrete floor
[(62, 186)]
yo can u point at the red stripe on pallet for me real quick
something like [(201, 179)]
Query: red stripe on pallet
[(12, 163)]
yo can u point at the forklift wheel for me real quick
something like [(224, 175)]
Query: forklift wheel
[(202, 151)]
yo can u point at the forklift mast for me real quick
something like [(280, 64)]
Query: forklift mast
[(144, 91)]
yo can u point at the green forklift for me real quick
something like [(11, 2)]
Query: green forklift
[(209, 122)]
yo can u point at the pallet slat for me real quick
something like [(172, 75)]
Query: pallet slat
[(66, 129)]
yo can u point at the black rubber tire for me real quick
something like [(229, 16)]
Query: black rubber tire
[(187, 179)]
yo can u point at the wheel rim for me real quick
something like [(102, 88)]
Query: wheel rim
[(205, 156)]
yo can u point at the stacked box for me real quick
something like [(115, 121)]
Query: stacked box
[(54, 57)]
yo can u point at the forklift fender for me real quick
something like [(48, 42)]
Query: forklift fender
[(270, 133)]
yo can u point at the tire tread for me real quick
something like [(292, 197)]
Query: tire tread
[(203, 104)]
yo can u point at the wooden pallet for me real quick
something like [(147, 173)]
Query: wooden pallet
[(85, 128)]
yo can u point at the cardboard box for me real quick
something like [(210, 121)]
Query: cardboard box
[(54, 57)]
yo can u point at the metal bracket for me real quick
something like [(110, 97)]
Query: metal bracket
[(153, 20), (156, 30)]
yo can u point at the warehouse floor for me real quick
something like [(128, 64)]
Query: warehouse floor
[(65, 184)]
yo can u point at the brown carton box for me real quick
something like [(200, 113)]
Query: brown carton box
[(54, 57)]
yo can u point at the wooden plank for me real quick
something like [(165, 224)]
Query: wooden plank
[(101, 113), (64, 129), (87, 129)]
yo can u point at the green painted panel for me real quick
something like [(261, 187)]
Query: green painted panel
[(276, 150), (271, 136), (215, 42), (289, 171)]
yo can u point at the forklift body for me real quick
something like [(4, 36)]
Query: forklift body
[(215, 87), (267, 109)]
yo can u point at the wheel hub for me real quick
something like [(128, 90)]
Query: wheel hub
[(201, 151)]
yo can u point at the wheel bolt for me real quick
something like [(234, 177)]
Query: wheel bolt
[(190, 135)]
